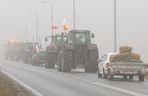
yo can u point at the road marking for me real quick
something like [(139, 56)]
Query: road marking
[(119, 89), (110, 87), (34, 92)]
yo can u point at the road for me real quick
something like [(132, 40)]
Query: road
[(49, 82)]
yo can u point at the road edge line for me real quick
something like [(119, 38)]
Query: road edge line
[(27, 87)]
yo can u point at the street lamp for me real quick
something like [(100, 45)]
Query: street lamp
[(37, 25), (74, 15), (26, 28), (115, 27), (51, 5)]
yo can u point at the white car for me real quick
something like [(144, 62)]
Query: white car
[(103, 65), (108, 69)]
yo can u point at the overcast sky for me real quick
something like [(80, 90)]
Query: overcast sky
[(94, 15)]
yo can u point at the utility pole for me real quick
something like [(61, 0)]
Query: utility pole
[(52, 12), (74, 15), (37, 24), (26, 28), (115, 27)]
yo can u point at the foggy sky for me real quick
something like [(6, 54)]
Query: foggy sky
[(94, 15)]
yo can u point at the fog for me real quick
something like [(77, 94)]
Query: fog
[(17, 18)]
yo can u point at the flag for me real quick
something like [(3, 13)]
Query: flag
[(65, 25)]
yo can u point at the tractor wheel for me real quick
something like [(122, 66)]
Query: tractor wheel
[(99, 74), (59, 63), (141, 77), (48, 61), (131, 77), (92, 63), (51, 61), (66, 59)]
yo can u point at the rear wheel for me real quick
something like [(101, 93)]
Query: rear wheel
[(59, 63), (51, 60), (125, 77), (66, 61), (141, 77), (92, 62), (131, 77)]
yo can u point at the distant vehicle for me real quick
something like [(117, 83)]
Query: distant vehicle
[(39, 58), (57, 42), (108, 69), (13, 51)]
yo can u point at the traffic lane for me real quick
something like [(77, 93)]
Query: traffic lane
[(132, 85), (54, 83), (78, 73)]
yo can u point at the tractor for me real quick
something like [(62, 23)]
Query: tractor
[(77, 50)]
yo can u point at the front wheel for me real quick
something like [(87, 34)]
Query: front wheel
[(66, 61), (125, 77), (104, 75), (99, 74)]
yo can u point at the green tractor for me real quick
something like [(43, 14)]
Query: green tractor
[(77, 50), (52, 50)]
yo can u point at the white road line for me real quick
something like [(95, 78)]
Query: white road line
[(110, 87), (119, 89), (34, 92), (115, 88)]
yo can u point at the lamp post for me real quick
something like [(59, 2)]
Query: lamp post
[(74, 15), (26, 28), (37, 25), (115, 27), (52, 17)]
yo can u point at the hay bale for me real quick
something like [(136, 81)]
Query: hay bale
[(120, 57), (125, 57), (135, 57), (125, 49)]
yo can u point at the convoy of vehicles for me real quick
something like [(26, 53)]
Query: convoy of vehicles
[(16, 51), (67, 51)]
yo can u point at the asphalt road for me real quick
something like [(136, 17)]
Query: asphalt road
[(49, 82)]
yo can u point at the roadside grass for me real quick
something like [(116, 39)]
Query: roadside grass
[(6, 87), (9, 87)]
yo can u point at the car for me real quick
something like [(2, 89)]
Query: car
[(103, 65), (39, 58), (124, 66)]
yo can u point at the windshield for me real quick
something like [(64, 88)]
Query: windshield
[(80, 38), (64, 38)]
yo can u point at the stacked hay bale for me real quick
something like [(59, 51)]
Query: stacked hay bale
[(125, 54)]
